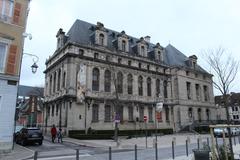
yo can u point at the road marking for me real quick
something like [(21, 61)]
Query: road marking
[(62, 157)]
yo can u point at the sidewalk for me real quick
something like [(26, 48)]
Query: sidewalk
[(18, 153)]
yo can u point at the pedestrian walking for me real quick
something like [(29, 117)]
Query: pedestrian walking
[(53, 133), (59, 135)]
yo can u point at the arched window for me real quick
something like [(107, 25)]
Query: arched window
[(157, 87), (149, 87), (130, 84), (199, 115), (123, 45), (190, 114), (108, 113), (165, 89), (107, 81), (101, 39), (142, 50), (140, 86), (59, 78), (95, 111), (50, 85), (120, 82), (208, 114), (95, 79)]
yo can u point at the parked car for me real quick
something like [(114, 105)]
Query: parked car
[(27, 135), (17, 130)]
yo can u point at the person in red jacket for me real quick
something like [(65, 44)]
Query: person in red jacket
[(53, 133)]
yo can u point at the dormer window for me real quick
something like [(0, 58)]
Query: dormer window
[(159, 56), (101, 39), (139, 65), (129, 63), (142, 47), (158, 52), (123, 45), (119, 60), (96, 55), (142, 50)]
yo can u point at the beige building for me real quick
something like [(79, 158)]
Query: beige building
[(98, 76), (13, 17)]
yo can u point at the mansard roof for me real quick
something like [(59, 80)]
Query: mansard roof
[(82, 32)]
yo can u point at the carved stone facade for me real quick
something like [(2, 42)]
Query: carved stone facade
[(123, 79)]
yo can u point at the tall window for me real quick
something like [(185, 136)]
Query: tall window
[(130, 113), (149, 87), (159, 56), (50, 85), (120, 82), (130, 84), (206, 94), (3, 54), (6, 10), (197, 91), (96, 55), (108, 113), (52, 110), (101, 39), (188, 90), (139, 65), (107, 82), (95, 109), (140, 86), (190, 114), (150, 114), (199, 115), (120, 112), (141, 113), (95, 79), (123, 46), (167, 114), (157, 87), (59, 78), (165, 89), (57, 108), (64, 79), (142, 50), (54, 82), (208, 114)]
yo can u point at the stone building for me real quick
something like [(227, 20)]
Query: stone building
[(98, 76), (13, 17)]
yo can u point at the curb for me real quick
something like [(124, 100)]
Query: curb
[(27, 157)]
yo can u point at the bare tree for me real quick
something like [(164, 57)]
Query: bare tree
[(224, 68)]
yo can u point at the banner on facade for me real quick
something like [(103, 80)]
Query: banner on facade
[(81, 83)]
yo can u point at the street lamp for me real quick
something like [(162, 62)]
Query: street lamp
[(35, 60)]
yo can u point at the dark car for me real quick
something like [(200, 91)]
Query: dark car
[(29, 135)]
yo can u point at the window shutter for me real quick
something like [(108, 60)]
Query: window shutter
[(16, 15), (11, 63)]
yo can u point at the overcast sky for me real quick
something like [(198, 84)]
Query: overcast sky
[(190, 26)]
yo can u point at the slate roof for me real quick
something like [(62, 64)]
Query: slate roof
[(82, 32), (30, 91)]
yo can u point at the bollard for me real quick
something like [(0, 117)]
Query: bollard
[(77, 154), (110, 153), (135, 149), (198, 143), (187, 148), (208, 142), (156, 151), (35, 155), (173, 152)]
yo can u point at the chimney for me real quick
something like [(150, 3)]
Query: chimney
[(147, 39)]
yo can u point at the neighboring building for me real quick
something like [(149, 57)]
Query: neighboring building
[(233, 107), (30, 106), (97, 75), (13, 17)]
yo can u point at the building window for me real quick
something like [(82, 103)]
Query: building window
[(96, 55), (165, 89), (190, 114), (6, 10), (50, 86), (199, 115), (120, 112), (108, 113), (101, 39), (52, 110), (120, 82), (57, 108), (208, 114), (140, 86), (107, 58), (141, 114), (95, 79), (54, 82), (107, 82), (130, 84), (150, 114), (95, 109), (81, 52), (157, 87), (130, 113), (148, 67), (167, 114), (197, 91), (206, 94), (139, 65), (119, 60), (64, 80), (188, 90), (187, 73), (194, 65), (59, 78), (129, 63), (123, 46), (159, 56), (3, 54), (149, 87), (142, 51)]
